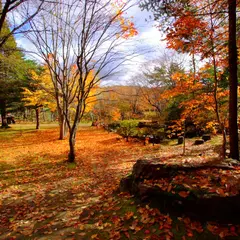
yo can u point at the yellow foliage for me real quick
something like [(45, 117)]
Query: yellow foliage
[(91, 100), (41, 92)]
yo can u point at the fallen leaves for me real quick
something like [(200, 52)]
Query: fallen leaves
[(41, 195)]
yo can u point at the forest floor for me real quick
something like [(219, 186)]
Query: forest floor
[(44, 197)]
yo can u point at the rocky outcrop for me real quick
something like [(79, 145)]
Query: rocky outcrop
[(144, 184)]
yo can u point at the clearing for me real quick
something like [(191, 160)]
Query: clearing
[(44, 197)]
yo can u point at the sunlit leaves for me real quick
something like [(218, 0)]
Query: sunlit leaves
[(128, 28), (41, 92)]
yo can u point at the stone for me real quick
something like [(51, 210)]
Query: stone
[(198, 204), (206, 138), (198, 142), (180, 139), (126, 184)]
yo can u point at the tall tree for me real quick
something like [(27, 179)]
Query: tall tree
[(208, 41), (233, 81), (79, 41), (12, 74)]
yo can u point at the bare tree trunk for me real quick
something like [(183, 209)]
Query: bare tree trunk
[(215, 93), (72, 141), (25, 114), (62, 125), (3, 113), (44, 115), (224, 143), (184, 137), (233, 81), (37, 111)]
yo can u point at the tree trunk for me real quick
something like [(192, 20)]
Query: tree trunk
[(215, 92), (37, 111), (3, 113), (25, 114), (72, 140), (224, 143), (44, 115), (233, 81), (63, 128), (184, 137)]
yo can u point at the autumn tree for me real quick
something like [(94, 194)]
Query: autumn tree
[(188, 31), (79, 41), (40, 92)]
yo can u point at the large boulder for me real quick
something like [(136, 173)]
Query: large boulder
[(154, 180)]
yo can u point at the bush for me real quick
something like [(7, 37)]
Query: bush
[(113, 127), (128, 128)]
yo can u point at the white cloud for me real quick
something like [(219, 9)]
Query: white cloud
[(147, 45)]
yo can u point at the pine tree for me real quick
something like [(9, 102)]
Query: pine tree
[(11, 73)]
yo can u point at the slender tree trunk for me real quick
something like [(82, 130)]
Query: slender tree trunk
[(184, 137), (37, 111), (72, 140), (224, 143), (44, 115), (63, 126), (194, 64), (25, 114), (233, 81), (215, 92), (3, 113)]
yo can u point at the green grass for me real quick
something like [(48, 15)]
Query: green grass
[(19, 128), (24, 127), (72, 165)]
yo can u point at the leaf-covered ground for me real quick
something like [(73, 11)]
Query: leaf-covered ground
[(43, 197)]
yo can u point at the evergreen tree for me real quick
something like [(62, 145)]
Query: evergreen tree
[(12, 73)]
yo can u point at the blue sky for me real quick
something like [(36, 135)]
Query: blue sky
[(147, 44)]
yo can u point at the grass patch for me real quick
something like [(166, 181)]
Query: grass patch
[(71, 165)]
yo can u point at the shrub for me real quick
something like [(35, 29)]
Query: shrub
[(113, 127), (127, 128)]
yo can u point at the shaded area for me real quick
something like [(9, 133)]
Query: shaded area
[(202, 191)]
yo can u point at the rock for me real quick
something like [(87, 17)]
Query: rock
[(155, 169), (200, 206), (150, 169), (199, 142), (197, 203), (180, 139), (154, 140), (206, 138), (126, 184)]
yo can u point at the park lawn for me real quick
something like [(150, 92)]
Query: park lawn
[(44, 197)]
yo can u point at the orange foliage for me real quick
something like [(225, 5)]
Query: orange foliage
[(183, 34), (127, 26)]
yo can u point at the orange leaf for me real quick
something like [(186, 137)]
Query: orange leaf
[(183, 194), (220, 192)]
